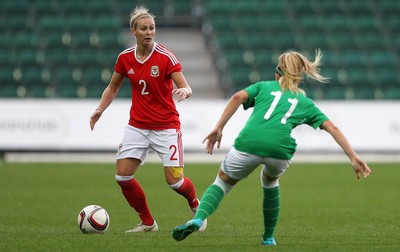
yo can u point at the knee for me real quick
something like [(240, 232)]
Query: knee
[(268, 181), (224, 182), (125, 182), (226, 178), (173, 175), (127, 167), (121, 178)]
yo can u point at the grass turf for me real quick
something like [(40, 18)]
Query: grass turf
[(323, 208)]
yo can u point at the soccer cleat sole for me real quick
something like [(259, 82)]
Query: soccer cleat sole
[(181, 232)]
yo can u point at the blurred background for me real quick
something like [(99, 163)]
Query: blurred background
[(55, 49)]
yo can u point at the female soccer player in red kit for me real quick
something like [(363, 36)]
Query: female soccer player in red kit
[(154, 121)]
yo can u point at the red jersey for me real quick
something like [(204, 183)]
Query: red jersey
[(152, 104)]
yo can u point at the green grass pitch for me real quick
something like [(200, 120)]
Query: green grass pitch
[(323, 208)]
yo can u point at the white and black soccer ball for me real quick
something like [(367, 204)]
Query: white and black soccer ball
[(93, 219)]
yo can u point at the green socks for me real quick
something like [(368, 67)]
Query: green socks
[(271, 207), (213, 196), (209, 202)]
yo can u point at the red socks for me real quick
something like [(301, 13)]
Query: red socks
[(187, 190), (136, 198)]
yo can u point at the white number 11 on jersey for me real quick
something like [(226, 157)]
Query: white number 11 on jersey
[(278, 95)]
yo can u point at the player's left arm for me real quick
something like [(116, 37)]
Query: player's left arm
[(215, 135), (183, 90)]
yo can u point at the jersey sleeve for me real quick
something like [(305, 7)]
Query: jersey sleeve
[(172, 64), (316, 117), (252, 91), (119, 66), (174, 68)]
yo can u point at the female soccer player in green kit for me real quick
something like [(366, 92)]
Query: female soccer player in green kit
[(279, 107)]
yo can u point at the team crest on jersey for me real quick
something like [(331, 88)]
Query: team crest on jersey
[(154, 72)]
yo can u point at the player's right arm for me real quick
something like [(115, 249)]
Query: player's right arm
[(108, 96), (359, 166)]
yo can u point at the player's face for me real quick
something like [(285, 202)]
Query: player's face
[(145, 31)]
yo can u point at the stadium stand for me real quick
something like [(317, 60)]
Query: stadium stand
[(66, 49), (359, 39), (46, 43)]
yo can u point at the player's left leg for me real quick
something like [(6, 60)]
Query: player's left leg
[(214, 194), (236, 166), (210, 201), (168, 144), (182, 185)]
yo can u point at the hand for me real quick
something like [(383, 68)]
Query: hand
[(95, 117), (212, 138), (180, 94), (360, 168)]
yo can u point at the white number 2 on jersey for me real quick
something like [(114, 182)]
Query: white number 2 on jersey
[(278, 95), (144, 91)]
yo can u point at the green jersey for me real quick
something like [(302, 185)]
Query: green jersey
[(276, 113)]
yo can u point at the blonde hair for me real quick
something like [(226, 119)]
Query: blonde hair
[(294, 66), (138, 13)]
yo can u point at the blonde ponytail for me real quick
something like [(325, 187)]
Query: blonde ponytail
[(312, 68), (295, 65)]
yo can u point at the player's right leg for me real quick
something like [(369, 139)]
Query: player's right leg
[(271, 170), (135, 195), (132, 151)]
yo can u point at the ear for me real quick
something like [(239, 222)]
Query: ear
[(277, 76)]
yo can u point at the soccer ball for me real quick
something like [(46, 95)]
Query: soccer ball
[(93, 219)]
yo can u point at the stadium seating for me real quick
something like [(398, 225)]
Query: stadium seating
[(359, 40), (66, 48)]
